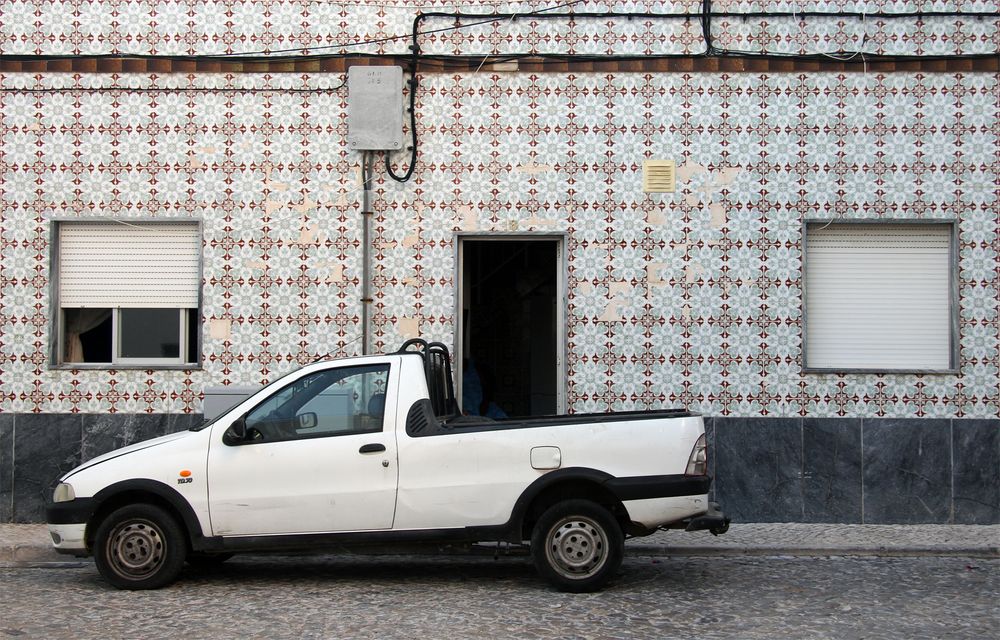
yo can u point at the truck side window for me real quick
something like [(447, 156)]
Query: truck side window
[(326, 403)]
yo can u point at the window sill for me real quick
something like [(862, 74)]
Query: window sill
[(82, 366)]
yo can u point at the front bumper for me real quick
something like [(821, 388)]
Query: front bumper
[(69, 538), (71, 511), (68, 525)]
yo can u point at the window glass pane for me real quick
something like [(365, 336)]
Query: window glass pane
[(87, 335), (194, 326), (331, 402), (149, 333)]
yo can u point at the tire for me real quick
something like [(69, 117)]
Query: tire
[(207, 560), (140, 546), (577, 546)]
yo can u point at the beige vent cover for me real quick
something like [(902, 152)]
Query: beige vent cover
[(658, 176)]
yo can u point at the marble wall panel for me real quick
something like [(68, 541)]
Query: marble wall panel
[(907, 471), (759, 466), (45, 447), (174, 422), (6, 466), (976, 455), (103, 432), (831, 453), (764, 470), (106, 432)]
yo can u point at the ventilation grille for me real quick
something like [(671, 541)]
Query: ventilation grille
[(417, 419), (658, 176)]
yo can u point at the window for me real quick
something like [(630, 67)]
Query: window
[(128, 293), (339, 401), (878, 297)]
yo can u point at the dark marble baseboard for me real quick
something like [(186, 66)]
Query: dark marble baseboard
[(835, 470), (871, 471), (36, 449)]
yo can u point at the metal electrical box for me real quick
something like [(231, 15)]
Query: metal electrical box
[(375, 108)]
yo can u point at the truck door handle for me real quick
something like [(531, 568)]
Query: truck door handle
[(371, 448)]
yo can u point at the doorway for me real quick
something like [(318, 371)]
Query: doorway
[(510, 325)]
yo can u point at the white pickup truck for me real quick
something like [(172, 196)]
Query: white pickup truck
[(374, 450)]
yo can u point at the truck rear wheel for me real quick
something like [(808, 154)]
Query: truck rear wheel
[(140, 546), (577, 545)]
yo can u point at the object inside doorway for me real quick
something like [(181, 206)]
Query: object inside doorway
[(509, 327)]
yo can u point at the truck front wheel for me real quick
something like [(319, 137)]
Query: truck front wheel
[(139, 546), (577, 545)]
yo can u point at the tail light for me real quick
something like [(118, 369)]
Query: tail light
[(698, 460)]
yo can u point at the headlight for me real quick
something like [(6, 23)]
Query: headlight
[(63, 493)]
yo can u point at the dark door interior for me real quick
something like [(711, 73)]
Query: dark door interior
[(510, 327)]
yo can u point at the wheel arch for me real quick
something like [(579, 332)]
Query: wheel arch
[(153, 492), (565, 484)]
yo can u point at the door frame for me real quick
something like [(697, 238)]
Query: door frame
[(560, 239)]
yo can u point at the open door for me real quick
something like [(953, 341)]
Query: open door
[(511, 321)]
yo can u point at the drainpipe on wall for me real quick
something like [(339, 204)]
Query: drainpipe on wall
[(367, 162)]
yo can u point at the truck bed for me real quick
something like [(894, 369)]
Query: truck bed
[(421, 421)]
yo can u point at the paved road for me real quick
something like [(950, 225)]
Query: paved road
[(468, 597)]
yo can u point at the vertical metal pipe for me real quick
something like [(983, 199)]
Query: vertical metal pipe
[(366, 217)]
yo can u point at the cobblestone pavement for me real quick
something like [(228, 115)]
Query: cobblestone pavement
[(468, 597)]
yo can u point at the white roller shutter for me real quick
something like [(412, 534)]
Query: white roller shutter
[(878, 296), (138, 264)]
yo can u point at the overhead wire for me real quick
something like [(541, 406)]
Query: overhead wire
[(305, 53), (414, 82), (125, 89)]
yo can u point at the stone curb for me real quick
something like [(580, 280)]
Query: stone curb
[(31, 553), (854, 551)]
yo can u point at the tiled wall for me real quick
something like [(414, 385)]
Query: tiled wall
[(692, 298)]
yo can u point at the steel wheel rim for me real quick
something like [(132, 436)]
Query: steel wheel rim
[(576, 547), (136, 549)]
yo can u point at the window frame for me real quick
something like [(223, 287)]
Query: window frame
[(57, 326), (314, 436), (954, 336)]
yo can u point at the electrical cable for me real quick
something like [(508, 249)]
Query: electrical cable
[(250, 90), (706, 15), (413, 136), (706, 25)]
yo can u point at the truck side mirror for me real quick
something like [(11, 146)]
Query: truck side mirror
[(308, 420), (237, 432)]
